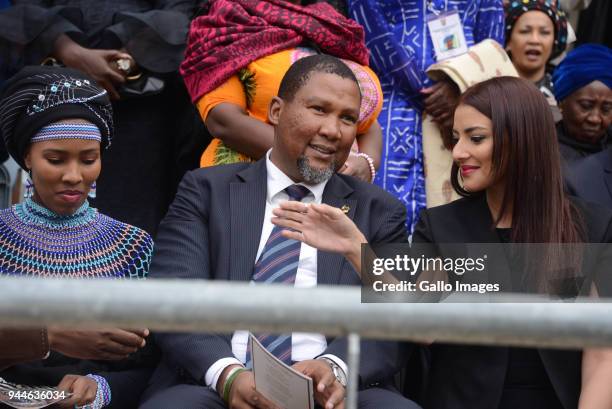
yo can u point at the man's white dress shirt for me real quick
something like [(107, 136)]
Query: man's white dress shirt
[(303, 345)]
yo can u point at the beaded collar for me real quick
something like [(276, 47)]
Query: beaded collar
[(35, 241), (31, 213)]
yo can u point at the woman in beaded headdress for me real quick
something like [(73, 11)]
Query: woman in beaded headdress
[(55, 122)]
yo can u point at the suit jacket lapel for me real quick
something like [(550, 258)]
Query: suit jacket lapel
[(329, 265), (247, 209)]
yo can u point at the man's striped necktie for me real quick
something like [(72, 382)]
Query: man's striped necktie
[(278, 263)]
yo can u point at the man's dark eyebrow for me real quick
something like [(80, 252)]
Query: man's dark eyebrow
[(314, 99)]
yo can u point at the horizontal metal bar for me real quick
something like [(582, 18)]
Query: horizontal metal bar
[(204, 306)]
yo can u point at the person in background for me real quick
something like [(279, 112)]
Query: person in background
[(398, 37), (133, 49), (536, 32), (55, 123), (583, 87), (233, 77), (509, 197)]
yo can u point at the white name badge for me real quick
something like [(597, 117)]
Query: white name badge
[(447, 35)]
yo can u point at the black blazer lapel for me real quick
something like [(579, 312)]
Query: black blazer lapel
[(329, 265), (247, 209), (479, 227), (479, 223)]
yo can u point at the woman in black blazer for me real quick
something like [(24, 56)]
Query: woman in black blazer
[(507, 167)]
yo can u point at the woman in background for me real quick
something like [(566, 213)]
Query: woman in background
[(583, 87), (536, 32)]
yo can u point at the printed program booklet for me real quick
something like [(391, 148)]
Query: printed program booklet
[(278, 382)]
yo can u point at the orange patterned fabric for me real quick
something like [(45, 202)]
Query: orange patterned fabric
[(229, 35)]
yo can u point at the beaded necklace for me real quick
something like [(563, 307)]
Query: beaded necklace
[(31, 212), (37, 241)]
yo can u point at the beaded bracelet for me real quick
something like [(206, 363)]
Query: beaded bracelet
[(231, 377), (370, 164), (103, 393)]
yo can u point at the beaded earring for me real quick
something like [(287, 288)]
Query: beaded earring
[(29, 187), (92, 191)]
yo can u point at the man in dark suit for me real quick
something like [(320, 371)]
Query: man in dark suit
[(219, 228), (591, 178)]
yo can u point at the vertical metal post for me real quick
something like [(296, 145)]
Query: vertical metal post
[(353, 370)]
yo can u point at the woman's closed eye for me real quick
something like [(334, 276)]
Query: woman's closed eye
[(54, 161), (477, 138)]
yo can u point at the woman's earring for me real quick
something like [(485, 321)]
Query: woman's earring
[(29, 187), (462, 181), (92, 191)]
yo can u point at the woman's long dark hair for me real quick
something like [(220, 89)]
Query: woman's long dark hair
[(526, 157)]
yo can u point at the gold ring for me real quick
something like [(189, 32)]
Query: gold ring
[(134, 77)]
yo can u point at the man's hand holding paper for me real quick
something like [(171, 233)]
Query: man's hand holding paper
[(327, 392)]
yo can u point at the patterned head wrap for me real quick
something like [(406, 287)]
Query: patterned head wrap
[(580, 67), (39, 96), (63, 130), (516, 8)]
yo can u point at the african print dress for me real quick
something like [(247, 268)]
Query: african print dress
[(401, 50)]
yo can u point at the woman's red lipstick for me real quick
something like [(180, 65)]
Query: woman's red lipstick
[(467, 169)]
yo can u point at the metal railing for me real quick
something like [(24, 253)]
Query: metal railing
[(204, 306)]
